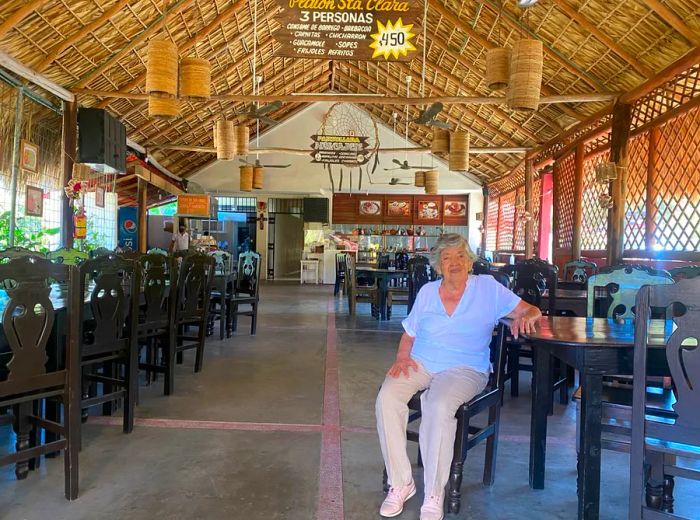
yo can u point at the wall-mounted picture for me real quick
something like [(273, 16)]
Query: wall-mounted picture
[(398, 208), (428, 210), (455, 208), (30, 157), (34, 202), (370, 207), (100, 197)]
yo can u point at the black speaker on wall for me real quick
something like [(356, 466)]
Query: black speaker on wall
[(101, 141), (316, 210)]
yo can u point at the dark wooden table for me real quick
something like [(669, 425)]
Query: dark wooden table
[(574, 300), (596, 347), (383, 276)]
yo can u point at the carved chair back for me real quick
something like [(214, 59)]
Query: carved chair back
[(420, 272), (617, 288), (194, 281), (68, 256), (157, 275), (28, 316), (113, 286), (157, 251), (248, 275), (222, 261), (340, 261), (100, 251), (532, 278), (12, 253), (481, 266), (685, 272), (383, 261), (579, 270)]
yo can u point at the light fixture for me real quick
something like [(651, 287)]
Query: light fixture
[(524, 4), (606, 172)]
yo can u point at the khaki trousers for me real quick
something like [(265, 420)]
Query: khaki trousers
[(446, 392)]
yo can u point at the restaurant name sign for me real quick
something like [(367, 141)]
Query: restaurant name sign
[(193, 206), (349, 150), (348, 29)]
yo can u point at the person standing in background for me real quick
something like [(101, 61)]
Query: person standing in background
[(181, 240)]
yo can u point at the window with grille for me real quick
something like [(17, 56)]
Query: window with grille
[(594, 219), (492, 223), (635, 203), (564, 172), (102, 222), (506, 221)]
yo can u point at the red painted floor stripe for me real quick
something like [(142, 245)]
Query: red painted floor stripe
[(330, 490), (210, 425)]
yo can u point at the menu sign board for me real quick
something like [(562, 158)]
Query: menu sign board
[(348, 29), (339, 149), (193, 206)]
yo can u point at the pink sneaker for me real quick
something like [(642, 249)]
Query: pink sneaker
[(432, 508), (395, 499)]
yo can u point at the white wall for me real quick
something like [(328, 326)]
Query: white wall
[(304, 178)]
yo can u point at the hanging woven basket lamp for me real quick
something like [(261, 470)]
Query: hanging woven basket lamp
[(257, 177), (195, 78), (525, 75), (225, 140), (242, 139), (497, 68), (163, 107), (431, 182), (419, 180), (246, 179), (459, 151), (441, 141), (161, 68)]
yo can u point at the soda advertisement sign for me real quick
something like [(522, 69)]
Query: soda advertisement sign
[(127, 234)]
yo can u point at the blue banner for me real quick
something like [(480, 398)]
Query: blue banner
[(127, 236)]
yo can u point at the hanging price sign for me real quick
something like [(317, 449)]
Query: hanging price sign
[(367, 30)]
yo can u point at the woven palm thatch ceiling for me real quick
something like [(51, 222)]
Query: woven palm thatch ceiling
[(589, 46)]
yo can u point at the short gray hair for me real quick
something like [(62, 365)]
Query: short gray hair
[(449, 240)]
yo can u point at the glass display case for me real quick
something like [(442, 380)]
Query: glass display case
[(371, 240)]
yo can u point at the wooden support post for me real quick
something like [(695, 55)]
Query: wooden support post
[(650, 221), (578, 201), (141, 212), (619, 151), (529, 224), (70, 140), (485, 219), (16, 163)]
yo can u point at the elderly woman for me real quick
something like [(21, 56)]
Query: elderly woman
[(444, 351)]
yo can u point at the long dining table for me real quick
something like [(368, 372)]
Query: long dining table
[(595, 347), (383, 277)]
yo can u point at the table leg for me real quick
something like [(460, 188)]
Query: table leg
[(589, 465), (541, 399), (382, 283)]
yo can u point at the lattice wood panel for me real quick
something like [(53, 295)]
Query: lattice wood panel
[(677, 184), (519, 241), (676, 92), (635, 203), (594, 221), (564, 205), (536, 207), (492, 224), (506, 221)]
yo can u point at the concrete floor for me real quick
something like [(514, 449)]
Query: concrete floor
[(249, 436)]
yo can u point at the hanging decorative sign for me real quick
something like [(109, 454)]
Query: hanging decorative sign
[(348, 29), (350, 150)]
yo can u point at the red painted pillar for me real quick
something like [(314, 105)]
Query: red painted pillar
[(545, 231)]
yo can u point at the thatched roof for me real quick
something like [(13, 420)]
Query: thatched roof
[(590, 46)]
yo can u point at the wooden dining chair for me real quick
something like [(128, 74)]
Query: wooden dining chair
[(579, 270), (360, 293), (246, 298), (340, 261), (108, 334), (66, 255), (100, 251), (481, 266), (221, 294), (193, 290), (469, 435), (29, 320), (157, 251), (659, 441), (420, 272), (685, 272), (11, 253)]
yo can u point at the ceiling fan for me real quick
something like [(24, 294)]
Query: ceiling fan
[(402, 166), (261, 113), (257, 164), (427, 117), (395, 181)]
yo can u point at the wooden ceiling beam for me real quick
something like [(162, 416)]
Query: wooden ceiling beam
[(469, 31), (157, 24), (20, 14), (575, 15), (305, 151), (548, 49), (57, 49), (388, 120), (232, 10), (672, 19)]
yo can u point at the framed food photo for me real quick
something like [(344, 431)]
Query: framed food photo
[(30, 157), (370, 207), (455, 210), (100, 197), (429, 210), (398, 210), (34, 202)]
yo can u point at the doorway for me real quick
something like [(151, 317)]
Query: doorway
[(285, 238)]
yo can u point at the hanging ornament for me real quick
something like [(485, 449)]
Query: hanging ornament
[(605, 201), (75, 188)]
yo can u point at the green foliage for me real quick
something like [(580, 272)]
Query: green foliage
[(24, 235)]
